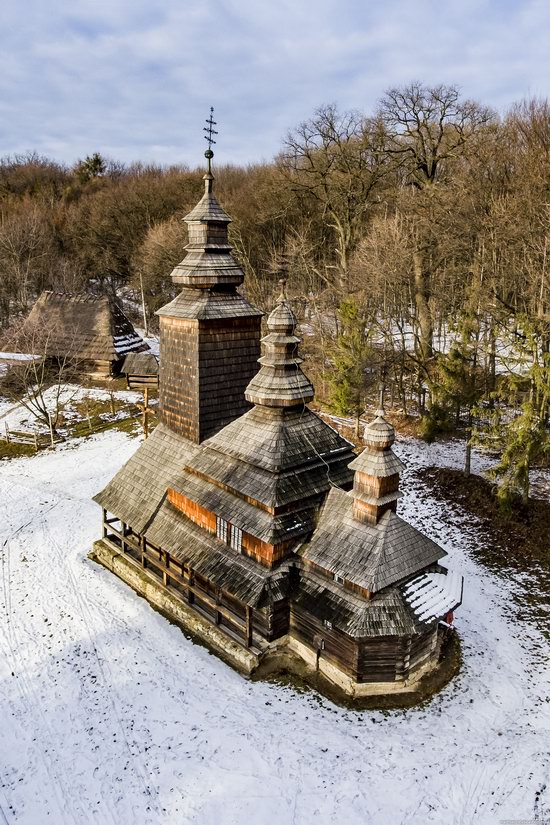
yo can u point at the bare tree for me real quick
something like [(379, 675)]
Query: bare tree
[(36, 379), (337, 160), (24, 249), (429, 129)]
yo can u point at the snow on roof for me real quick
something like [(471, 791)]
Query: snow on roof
[(18, 356), (431, 595)]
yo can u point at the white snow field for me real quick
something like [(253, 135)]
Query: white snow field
[(110, 715)]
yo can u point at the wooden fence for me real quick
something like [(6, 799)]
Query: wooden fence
[(29, 437), (180, 576)]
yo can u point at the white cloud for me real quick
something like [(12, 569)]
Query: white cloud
[(136, 79)]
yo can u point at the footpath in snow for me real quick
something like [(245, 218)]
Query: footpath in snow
[(111, 716)]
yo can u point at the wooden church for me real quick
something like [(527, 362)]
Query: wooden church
[(251, 522)]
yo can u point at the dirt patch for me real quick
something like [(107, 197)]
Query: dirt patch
[(516, 547), (524, 532), (13, 450)]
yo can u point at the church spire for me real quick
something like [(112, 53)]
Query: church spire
[(209, 333), (208, 263), (280, 381)]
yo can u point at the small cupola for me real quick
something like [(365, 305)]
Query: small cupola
[(377, 469), (280, 381)]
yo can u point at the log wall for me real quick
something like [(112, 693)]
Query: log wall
[(376, 659)]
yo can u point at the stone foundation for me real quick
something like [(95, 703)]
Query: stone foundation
[(285, 655)]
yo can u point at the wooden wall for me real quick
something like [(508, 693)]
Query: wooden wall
[(376, 659), (338, 648), (228, 359), (197, 514), (178, 376), (205, 367)]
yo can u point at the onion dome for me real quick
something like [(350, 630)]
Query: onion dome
[(280, 381), (379, 433)]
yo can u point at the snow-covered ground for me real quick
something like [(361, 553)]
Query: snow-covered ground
[(16, 415), (110, 715)]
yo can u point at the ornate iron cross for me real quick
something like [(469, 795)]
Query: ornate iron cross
[(210, 131)]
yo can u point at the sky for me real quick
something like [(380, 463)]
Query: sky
[(134, 79)]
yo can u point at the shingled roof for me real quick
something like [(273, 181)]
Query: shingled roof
[(386, 614), (278, 439), (372, 556), (208, 260), (268, 471), (235, 573), (136, 492), (203, 305), (141, 363), (87, 327)]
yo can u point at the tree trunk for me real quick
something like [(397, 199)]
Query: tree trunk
[(423, 312), (468, 455)]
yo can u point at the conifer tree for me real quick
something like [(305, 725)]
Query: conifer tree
[(518, 422), (352, 357), (462, 383)]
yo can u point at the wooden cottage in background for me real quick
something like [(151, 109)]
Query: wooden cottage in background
[(90, 329), (248, 519)]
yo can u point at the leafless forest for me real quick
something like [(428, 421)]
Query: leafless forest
[(415, 240)]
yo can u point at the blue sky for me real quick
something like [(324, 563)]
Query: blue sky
[(134, 79)]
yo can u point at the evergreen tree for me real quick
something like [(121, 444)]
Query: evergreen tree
[(518, 421), (352, 357), (93, 166), (461, 380)]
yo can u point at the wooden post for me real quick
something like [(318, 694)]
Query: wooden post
[(112, 400), (218, 617), (124, 528), (146, 412), (248, 626), (87, 408), (143, 308), (164, 573), (143, 545), (190, 594), (104, 523)]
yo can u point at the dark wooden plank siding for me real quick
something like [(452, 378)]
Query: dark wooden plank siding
[(337, 648), (228, 358), (178, 376)]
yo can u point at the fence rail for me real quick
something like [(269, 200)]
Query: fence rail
[(29, 437)]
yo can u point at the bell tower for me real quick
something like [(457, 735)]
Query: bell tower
[(209, 334)]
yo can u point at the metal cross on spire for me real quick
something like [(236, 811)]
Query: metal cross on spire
[(210, 131)]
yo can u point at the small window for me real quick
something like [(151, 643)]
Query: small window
[(338, 579), (327, 624), (236, 538), (221, 528)]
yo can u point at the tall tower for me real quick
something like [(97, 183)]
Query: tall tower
[(209, 334)]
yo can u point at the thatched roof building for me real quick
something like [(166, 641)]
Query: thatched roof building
[(249, 519), (92, 329)]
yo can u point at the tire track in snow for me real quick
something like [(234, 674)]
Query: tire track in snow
[(109, 683), (30, 700)]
